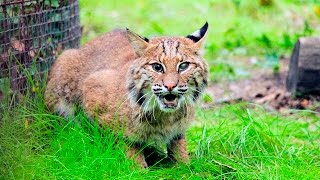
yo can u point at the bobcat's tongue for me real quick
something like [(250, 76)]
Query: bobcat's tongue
[(170, 100)]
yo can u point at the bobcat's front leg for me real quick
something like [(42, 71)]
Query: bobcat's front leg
[(134, 152), (177, 149)]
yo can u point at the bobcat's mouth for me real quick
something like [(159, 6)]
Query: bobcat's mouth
[(169, 102)]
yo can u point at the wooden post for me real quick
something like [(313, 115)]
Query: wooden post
[(304, 69)]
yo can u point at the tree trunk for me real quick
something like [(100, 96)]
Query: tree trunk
[(304, 69)]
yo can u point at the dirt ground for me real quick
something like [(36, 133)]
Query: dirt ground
[(264, 88)]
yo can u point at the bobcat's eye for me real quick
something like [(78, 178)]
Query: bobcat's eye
[(157, 67), (183, 66)]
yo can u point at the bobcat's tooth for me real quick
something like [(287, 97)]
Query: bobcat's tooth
[(173, 102)]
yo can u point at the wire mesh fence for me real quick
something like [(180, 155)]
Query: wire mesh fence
[(32, 33)]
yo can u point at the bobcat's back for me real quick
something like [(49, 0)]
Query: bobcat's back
[(107, 52)]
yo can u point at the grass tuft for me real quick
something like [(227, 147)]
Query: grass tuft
[(236, 141)]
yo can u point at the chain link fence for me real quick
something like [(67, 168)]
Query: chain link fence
[(32, 34)]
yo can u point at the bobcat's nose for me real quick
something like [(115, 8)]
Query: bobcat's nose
[(170, 85)]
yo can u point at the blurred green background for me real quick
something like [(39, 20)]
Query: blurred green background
[(233, 23), (264, 29)]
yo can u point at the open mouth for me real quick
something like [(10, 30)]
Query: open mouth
[(170, 100)]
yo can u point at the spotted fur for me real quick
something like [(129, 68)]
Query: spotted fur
[(147, 86)]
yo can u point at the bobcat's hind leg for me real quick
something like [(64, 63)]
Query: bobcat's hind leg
[(57, 103), (60, 106), (62, 88), (64, 109)]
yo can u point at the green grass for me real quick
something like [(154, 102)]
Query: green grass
[(239, 141), (235, 141)]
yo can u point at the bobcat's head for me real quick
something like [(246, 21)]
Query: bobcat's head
[(169, 72)]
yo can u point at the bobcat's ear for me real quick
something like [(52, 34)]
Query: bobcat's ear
[(199, 36), (138, 43)]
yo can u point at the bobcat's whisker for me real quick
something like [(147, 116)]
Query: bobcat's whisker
[(193, 89), (127, 97), (143, 97), (153, 108), (147, 104)]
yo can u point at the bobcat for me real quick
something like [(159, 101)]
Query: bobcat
[(147, 86)]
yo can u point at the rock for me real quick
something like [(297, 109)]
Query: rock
[(304, 69)]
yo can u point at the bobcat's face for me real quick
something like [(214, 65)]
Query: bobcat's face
[(169, 73)]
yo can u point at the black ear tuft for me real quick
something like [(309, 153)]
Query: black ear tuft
[(146, 39), (197, 35)]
